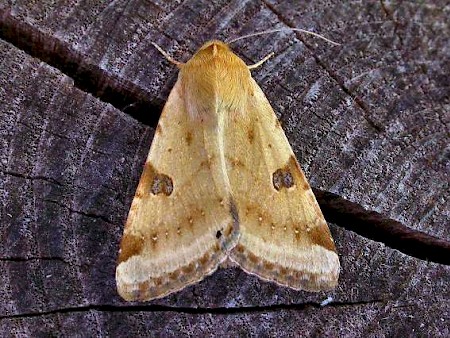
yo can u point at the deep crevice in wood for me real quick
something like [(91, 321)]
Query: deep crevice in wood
[(373, 225), (122, 94)]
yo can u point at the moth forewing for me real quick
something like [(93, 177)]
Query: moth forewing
[(180, 225), (284, 236)]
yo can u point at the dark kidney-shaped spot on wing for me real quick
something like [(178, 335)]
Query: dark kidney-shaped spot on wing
[(161, 184), (282, 178)]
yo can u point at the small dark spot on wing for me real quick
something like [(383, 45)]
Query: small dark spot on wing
[(188, 138), (251, 135)]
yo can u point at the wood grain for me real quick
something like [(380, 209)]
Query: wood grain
[(368, 121)]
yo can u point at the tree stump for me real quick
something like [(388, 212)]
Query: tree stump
[(81, 92)]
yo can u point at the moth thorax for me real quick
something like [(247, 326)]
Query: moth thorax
[(214, 82)]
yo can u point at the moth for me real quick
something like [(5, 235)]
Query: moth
[(221, 182)]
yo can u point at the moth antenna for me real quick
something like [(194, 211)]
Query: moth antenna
[(260, 62), (270, 31), (167, 56)]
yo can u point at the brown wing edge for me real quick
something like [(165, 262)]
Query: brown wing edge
[(295, 279)]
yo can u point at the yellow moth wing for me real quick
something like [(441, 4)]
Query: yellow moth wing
[(284, 236), (180, 224)]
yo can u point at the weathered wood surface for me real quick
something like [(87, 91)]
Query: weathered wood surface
[(369, 121)]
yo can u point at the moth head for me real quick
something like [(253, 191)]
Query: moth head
[(215, 51), (214, 46)]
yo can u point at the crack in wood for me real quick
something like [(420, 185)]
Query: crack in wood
[(31, 177), (389, 14), (122, 94), (73, 211), (375, 226), (30, 259), (193, 310)]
